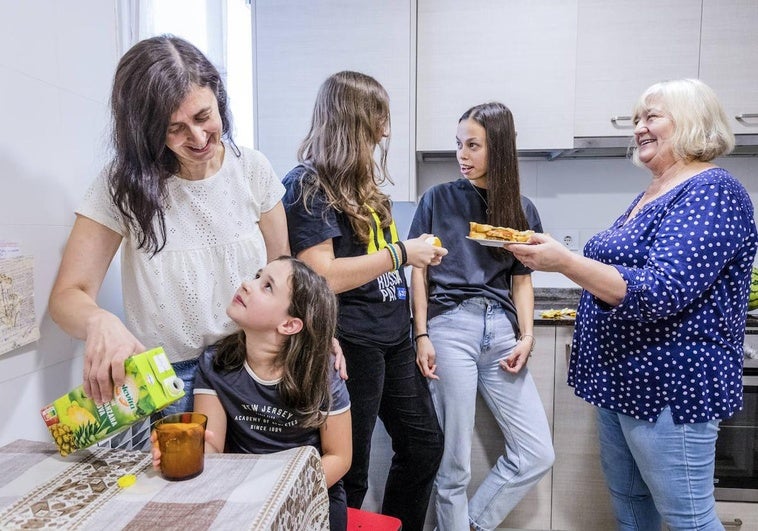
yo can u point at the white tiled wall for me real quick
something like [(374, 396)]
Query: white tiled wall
[(56, 64)]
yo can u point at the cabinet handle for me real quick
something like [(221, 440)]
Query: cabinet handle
[(734, 524), (745, 116), (616, 119)]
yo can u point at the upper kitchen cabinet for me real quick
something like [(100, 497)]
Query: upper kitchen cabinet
[(623, 48), (519, 53), (728, 59), (299, 43)]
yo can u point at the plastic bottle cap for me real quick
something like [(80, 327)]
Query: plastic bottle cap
[(127, 480), (174, 386)]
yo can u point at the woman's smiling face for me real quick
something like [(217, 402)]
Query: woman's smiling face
[(653, 132), (194, 129)]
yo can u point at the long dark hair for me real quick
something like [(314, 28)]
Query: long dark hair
[(503, 183), (350, 112), (305, 356), (152, 80)]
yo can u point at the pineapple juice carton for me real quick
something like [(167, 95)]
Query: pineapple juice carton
[(75, 421)]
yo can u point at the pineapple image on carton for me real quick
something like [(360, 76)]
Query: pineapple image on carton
[(75, 421)]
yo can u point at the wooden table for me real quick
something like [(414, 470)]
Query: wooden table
[(41, 490)]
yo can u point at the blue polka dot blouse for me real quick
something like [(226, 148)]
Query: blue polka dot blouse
[(677, 337)]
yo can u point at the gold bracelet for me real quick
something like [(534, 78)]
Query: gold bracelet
[(534, 341)]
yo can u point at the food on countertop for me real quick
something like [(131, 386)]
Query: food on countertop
[(482, 231), (557, 314), (752, 303)]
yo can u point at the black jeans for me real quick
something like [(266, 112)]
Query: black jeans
[(385, 382), (337, 507)]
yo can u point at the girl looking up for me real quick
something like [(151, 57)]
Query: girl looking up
[(277, 368)]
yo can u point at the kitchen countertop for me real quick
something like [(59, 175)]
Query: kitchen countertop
[(558, 298), (751, 324), (555, 299)]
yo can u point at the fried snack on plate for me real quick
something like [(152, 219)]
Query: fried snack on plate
[(481, 231), (509, 234), (478, 228)]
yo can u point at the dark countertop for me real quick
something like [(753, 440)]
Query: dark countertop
[(558, 298), (553, 321), (555, 299)]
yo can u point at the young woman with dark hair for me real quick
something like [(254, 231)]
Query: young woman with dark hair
[(473, 324)]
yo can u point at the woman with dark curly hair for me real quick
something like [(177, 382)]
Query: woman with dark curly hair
[(192, 213)]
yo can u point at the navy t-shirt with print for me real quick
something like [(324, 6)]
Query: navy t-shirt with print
[(257, 421), (676, 340), (374, 313), (469, 269)]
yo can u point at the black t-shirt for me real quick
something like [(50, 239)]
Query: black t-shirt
[(374, 313), (469, 269)]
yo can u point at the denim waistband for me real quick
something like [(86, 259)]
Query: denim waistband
[(483, 303), (186, 364)]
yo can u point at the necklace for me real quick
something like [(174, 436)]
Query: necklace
[(486, 204)]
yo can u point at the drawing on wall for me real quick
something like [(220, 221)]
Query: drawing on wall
[(18, 323)]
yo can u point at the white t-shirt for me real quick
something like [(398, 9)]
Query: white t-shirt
[(178, 298)]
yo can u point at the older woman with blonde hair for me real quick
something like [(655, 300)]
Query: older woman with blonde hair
[(658, 343)]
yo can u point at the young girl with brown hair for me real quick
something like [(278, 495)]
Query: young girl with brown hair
[(341, 224), (270, 386)]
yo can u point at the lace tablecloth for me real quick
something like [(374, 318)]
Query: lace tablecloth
[(41, 490)]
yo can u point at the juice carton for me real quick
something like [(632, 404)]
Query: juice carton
[(75, 421)]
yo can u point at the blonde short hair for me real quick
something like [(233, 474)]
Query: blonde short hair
[(701, 127)]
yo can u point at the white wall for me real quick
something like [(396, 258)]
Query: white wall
[(56, 64)]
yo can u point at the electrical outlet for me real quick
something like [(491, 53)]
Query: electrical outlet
[(569, 238)]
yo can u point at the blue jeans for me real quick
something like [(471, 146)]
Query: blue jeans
[(659, 470), (385, 382), (469, 341)]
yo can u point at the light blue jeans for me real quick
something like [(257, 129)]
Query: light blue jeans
[(659, 470), (469, 341)]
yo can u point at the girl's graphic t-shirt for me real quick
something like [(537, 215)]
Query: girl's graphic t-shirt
[(257, 421)]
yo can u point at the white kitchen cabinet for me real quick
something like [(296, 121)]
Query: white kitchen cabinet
[(728, 58), (299, 43), (580, 499), (519, 53), (623, 48)]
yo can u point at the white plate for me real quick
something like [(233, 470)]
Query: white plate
[(492, 243)]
